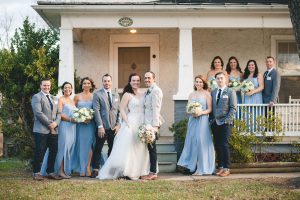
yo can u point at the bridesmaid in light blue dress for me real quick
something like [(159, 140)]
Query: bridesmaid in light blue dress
[(216, 66), (85, 133), (66, 135), (251, 73), (198, 154), (235, 72)]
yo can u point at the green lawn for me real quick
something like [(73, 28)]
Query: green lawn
[(16, 183)]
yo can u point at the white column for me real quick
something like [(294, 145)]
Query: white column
[(66, 56), (185, 79)]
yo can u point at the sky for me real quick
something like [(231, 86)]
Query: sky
[(15, 11)]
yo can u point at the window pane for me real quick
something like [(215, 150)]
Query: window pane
[(287, 58)]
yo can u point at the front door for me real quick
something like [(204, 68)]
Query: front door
[(132, 60)]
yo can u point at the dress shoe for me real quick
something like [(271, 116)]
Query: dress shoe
[(94, 174), (54, 176), (38, 177), (220, 171), (225, 173), (152, 177), (64, 176)]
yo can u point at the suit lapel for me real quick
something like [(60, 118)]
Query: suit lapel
[(103, 93)]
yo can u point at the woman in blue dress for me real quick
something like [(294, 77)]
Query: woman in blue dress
[(66, 135), (85, 131), (251, 73), (235, 73), (216, 66), (198, 154)]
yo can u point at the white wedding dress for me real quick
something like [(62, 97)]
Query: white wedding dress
[(129, 156)]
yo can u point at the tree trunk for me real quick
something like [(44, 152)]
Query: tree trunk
[(294, 6)]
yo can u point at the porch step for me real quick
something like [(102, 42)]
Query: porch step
[(166, 156)]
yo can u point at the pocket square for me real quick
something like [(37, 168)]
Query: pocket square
[(225, 96)]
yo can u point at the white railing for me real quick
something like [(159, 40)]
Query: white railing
[(288, 113)]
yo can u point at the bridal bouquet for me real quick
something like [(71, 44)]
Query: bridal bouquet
[(146, 133), (247, 86), (234, 83), (193, 108), (212, 83), (83, 114)]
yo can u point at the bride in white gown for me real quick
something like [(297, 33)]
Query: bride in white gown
[(129, 156)]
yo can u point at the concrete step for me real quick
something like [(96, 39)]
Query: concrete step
[(167, 157), (166, 167)]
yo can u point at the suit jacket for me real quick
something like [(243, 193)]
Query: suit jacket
[(43, 115), (271, 87), (104, 115), (224, 111), (153, 101)]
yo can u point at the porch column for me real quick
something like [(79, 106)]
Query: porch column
[(66, 56), (185, 76), (185, 72)]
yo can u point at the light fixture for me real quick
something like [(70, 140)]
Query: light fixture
[(132, 30)]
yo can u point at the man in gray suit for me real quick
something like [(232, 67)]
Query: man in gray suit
[(46, 119), (153, 101), (106, 107), (221, 119), (271, 83)]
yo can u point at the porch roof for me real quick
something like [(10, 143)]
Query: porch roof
[(162, 2), (54, 11)]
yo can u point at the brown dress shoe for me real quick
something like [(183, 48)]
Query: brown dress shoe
[(220, 172), (38, 177), (94, 174), (152, 177), (54, 176), (225, 173)]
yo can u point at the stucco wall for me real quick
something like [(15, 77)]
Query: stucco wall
[(92, 54), (245, 44), (92, 59)]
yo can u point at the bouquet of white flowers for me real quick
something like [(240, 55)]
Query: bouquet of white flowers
[(83, 114), (146, 133), (247, 86), (234, 83), (193, 107), (212, 83)]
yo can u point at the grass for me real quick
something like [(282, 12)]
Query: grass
[(16, 183)]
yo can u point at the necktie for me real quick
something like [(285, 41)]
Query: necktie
[(51, 105), (109, 100), (266, 74), (219, 95), (148, 92)]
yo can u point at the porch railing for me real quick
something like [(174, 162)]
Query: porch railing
[(288, 113)]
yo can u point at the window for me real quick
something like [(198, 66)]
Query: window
[(284, 49)]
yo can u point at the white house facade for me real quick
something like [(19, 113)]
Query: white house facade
[(175, 39)]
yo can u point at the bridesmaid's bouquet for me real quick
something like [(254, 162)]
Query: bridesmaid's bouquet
[(146, 133), (234, 83), (193, 107), (212, 83), (247, 86), (83, 114)]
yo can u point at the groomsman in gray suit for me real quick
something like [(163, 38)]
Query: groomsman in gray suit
[(46, 119), (221, 119), (153, 101), (271, 83), (106, 107)]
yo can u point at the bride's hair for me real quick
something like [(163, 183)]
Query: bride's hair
[(128, 87)]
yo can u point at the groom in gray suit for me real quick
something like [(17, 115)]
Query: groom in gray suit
[(153, 101), (271, 83), (106, 107), (221, 119), (46, 119)]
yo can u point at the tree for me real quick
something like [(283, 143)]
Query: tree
[(33, 55), (294, 6)]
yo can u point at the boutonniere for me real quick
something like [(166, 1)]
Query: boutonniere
[(54, 99), (114, 97)]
